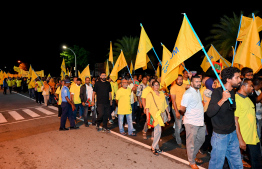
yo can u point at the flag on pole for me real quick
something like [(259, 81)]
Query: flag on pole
[(62, 75), (63, 66), (249, 52), (30, 72), (186, 45), (34, 76), (119, 65), (49, 75), (143, 47), (213, 55), (158, 71), (111, 54), (85, 73), (16, 69), (79, 73), (218, 66), (245, 26)]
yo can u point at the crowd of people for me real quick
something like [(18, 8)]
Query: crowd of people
[(231, 133)]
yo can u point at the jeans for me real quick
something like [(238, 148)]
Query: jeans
[(31, 92), (195, 137), (129, 122), (254, 155), (225, 145), (178, 127), (81, 110), (112, 108)]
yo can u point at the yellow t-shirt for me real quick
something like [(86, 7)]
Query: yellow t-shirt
[(39, 85), (9, 83), (13, 82), (58, 91), (245, 111), (178, 91), (161, 105), (29, 85), (124, 103), (186, 81), (18, 82), (75, 89), (146, 91)]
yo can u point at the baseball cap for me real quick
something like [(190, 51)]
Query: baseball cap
[(67, 81)]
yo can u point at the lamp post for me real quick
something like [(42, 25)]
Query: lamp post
[(64, 47)]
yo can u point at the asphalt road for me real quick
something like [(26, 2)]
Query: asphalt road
[(29, 138)]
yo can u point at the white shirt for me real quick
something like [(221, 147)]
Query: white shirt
[(89, 92), (194, 114)]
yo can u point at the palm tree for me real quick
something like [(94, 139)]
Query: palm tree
[(223, 35)]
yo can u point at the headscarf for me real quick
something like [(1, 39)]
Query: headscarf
[(51, 82), (209, 82)]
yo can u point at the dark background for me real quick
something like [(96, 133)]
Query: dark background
[(35, 32)]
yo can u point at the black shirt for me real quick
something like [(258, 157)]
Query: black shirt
[(223, 119), (102, 90)]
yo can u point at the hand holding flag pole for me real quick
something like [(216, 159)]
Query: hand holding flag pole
[(222, 85)]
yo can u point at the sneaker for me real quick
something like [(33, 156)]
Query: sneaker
[(105, 130)]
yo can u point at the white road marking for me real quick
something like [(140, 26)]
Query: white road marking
[(2, 119), (44, 111), (53, 107), (149, 147), (28, 120), (31, 113), (16, 115)]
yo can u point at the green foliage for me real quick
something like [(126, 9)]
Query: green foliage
[(83, 57), (223, 35)]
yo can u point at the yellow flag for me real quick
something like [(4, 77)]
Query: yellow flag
[(245, 26), (120, 64), (79, 73), (111, 54), (62, 75), (181, 68), (49, 75), (186, 45), (85, 73), (158, 71), (213, 55), (34, 76), (131, 68), (30, 72), (165, 60), (143, 47), (225, 63), (249, 52), (16, 69), (63, 67), (107, 69), (147, 60)]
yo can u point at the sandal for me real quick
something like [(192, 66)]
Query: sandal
[(124, 134), (159, 150), (133, 134), (245, 164), (144, 135), (198, 160), (155, 152)]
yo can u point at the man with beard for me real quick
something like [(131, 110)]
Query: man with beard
[(192, 106), (103, 91), (177, 90), (224, 139)]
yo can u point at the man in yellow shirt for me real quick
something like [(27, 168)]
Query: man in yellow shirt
[(177, 91), (75, 95), (9, 83), (58, 95), (186, 77), (31, 89), (245, 119), (18, 84), (39, 96), (123, 96)]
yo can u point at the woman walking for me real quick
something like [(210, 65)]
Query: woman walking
[(46, 89), (156, 105)]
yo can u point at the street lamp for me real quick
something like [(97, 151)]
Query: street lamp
[(18, 61), (64, 47)]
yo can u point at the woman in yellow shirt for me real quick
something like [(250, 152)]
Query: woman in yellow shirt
[(156, 104)]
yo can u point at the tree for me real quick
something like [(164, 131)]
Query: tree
[(83, 57), (223, 35)]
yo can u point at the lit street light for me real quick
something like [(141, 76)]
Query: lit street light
[(64, 47)]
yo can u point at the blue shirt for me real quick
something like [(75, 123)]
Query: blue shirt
[(65, 92)]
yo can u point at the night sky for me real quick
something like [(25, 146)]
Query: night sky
[(35, 33)]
